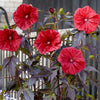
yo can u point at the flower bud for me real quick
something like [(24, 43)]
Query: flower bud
[(67, 13), (51, 10)]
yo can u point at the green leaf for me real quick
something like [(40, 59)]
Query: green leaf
[(85, 48), (17, 52), (64, 36), (78, 97), (94, 36), (25, 51), (64, 92), (53, 26), (1, 67), (49, 24), (4, 26), (38, 57), (90, 96), (1, 95), (46, 56), (61, 11), (50, 97), (91, 57), (45, 91)]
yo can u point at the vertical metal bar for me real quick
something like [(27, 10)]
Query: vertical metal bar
[(83, 3), (91, 64), (92, 3), (0, 73), (98, 6), (1, 77), (96, 65), (75, 5), (86, 56)]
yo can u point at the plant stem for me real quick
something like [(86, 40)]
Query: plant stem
[(34, 88), (57, 27), (61, 94), (19, 82), (58, 82), (54, 84)]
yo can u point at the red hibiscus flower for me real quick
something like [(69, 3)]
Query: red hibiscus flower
[(86, 19), (71, 60), (25, 16), (9, 40), (47, 41)]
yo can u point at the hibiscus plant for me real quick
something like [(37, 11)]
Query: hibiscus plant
[(66, 74)]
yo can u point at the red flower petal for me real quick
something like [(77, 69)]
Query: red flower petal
[(25, 16), (47, 41), (86, 19), (9, 40), (71, 60)]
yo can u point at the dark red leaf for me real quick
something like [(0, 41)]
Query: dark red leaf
[(28, 95), (32, 81), (70, 93)]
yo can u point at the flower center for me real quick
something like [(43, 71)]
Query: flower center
[(10, 38), (71, 60), (26, 16), (48, 42), (85, 19)]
